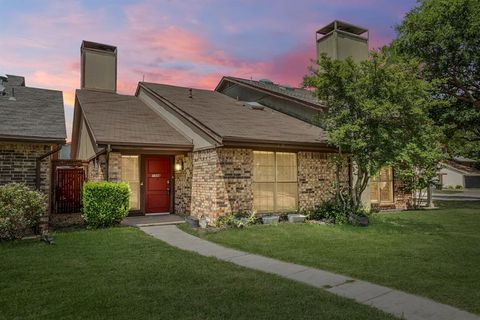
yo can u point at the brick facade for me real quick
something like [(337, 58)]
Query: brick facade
[(316, 178), (183, 185), (221, 182), (18, 164), (97, 168), (218, 181)]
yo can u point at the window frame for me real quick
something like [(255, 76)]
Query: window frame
[(276, 182), (378, 180), (139, 175)]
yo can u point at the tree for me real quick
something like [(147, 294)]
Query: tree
[(376, 110), (445, 36)]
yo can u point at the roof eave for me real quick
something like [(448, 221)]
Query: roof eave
[(277, 144), (35, 139), (156, 146)]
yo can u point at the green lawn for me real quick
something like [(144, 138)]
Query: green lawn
[(121, 273), (431, 253)]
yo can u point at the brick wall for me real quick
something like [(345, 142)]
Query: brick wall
[(222, 181), (316, 178), (97, 168), (18, 164), (205, 171), (183, 185), (234, 183)]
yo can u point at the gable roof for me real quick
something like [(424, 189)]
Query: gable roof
[(32, 115), (299, 95), (232, 121), (125, 120)]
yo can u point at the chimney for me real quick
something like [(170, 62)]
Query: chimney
[(98, 66), (339, 40)]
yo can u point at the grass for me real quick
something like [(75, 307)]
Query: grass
[(432, 253), (121, 273)]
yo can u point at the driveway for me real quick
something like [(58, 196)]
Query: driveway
[(461, 195)]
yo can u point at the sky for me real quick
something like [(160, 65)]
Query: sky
[(180, 42)]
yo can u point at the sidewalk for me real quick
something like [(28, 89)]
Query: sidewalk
[(398, 303)]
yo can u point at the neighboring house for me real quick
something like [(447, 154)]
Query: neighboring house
[(32, 130), (459, 171), (196, 152)]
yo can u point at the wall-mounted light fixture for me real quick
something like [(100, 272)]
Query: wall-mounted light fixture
[(178, 165)]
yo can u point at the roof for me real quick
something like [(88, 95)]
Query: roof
[(98, 46), (125, 120), (33, 114), (341, 25), (299, 94), (463, 169), (232, 120)]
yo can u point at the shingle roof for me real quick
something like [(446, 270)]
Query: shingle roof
[(35, 114), (123, 119), (300, 94), (231, 119)]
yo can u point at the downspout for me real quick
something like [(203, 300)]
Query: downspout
[(39, 162), (107, 158)]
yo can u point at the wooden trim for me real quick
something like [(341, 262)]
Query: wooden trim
[(33, 139), (276, 145)]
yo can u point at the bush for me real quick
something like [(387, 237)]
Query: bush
[(236, 220), (20, 209), (458, 187), (333, 210), (105, 203)]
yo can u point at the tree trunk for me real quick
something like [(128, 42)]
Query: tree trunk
[(430, 197)]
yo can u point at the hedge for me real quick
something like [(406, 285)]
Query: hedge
[(105, 203), (20, 210)]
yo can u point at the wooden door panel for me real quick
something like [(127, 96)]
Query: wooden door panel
[(157, 186)]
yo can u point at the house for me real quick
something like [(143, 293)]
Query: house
[(196, 152), (32, 131), (459, 172), (246, 146)]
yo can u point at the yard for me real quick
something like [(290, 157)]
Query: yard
[(430, 253), (122, 273)]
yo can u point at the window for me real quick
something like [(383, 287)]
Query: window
[(274, 181), (381, 187), (131, 175)]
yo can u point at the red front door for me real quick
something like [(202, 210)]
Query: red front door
[(157, 186)]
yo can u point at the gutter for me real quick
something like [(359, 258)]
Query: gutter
[(38, 163)]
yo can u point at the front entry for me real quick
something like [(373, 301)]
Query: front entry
[(157, 184)]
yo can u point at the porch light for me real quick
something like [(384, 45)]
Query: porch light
[(179, 166)]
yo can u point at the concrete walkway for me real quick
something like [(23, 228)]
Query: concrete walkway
[(152, 220), (398, 303)]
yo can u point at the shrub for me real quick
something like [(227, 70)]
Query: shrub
[(458, 187), (105, 203), (20, 209), (237, 220), (335, 211)]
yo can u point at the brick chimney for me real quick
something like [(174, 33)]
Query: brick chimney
[(98, 66)]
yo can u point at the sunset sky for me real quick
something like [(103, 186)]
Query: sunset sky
[(188, 43)]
